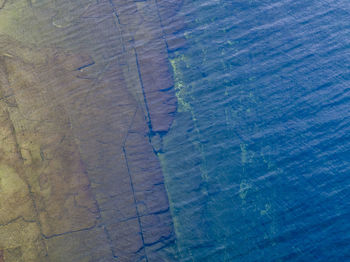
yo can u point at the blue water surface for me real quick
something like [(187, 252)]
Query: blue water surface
[(257, 160)]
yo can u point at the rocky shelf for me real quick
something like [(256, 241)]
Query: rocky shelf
[(79, 178)]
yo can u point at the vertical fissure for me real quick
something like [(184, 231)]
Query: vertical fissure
[(135, 202)]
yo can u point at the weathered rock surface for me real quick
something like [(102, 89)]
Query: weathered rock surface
[(50, 157), (140, 23), (79, 179)]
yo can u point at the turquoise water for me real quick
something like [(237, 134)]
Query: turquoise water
[(257, 160)]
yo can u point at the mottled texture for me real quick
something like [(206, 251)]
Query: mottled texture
[(80, 180)]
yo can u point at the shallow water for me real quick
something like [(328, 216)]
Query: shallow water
[(257, 160), (79, 178)]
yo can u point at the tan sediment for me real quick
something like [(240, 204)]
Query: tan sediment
[(76, 156)]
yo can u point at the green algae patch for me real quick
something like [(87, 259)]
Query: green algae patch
[(180, 87), (185, 170)]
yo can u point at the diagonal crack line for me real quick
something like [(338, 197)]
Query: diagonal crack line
[(15, 220), (143, 91), (135, 202), (69, 232)]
